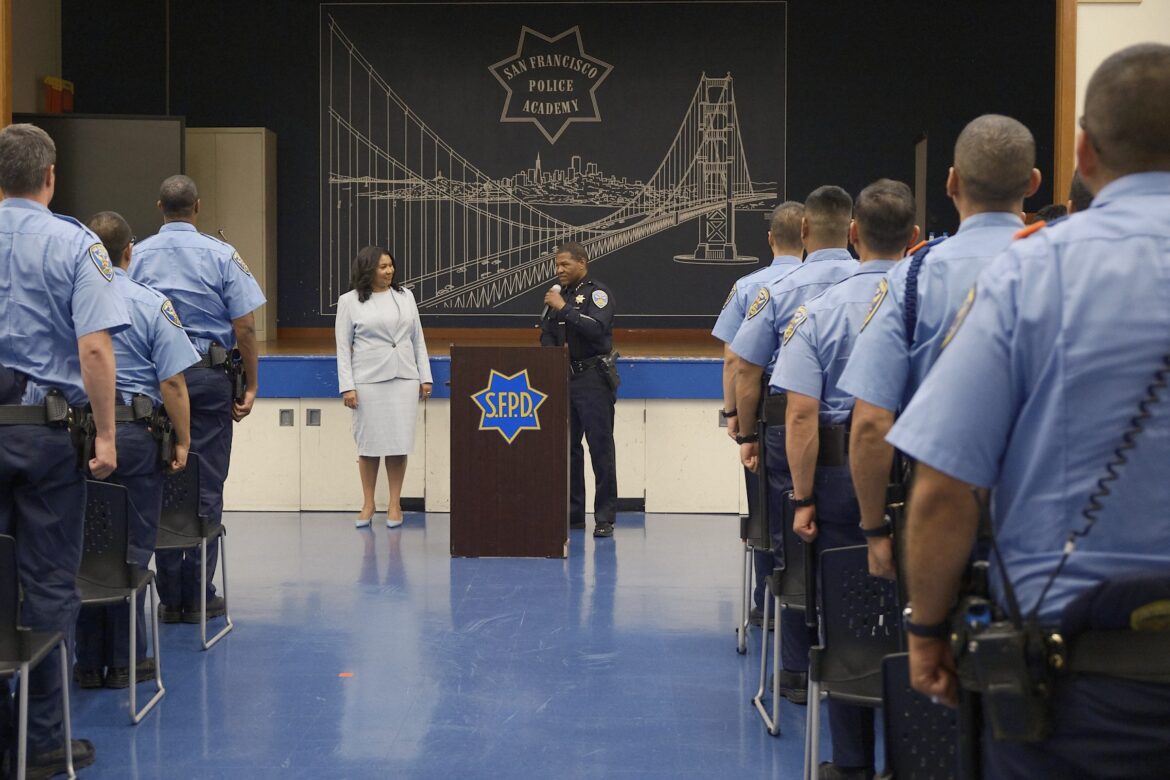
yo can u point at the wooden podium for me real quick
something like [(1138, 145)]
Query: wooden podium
[(509, 452)]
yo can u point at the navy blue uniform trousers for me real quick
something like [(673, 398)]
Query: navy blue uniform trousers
[(42, 505), (1103, 727), (591, 404), (839, 525), (210, 391), (103, 633), (795, 635)]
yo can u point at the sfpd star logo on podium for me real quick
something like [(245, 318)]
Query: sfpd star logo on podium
[(551, 82), (509, 404)]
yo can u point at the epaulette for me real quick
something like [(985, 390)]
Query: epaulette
[(72, 221), (216, 239), (1024, 232)]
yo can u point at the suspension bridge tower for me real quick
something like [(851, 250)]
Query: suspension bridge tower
[(716, 166)]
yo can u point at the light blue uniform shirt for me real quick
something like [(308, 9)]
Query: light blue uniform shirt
[(204, 277), (744, 291), (55, 287), (820, 337), (758, 339), (884, 370), (1034, 392), (154, 347)]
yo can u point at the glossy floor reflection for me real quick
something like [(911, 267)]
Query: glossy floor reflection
[(373, 654)]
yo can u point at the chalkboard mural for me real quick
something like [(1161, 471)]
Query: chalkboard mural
[(472, 139)]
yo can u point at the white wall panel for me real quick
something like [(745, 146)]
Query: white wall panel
[(265, 470), (690, 464), (438, 455)]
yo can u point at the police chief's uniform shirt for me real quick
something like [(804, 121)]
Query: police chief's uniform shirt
[(758, 339), (744, 291), (820, 337), (204, 277), (154, 347), (55, 287), (1040, 381), (884, 370), (585, 323)]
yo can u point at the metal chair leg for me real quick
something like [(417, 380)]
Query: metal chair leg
[(66, 719), (812, 732), (774, 730), (207, 644), (745, 585), (22, 725), (137, 715), (770, 719)]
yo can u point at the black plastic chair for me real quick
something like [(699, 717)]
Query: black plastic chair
[(786, 588), (108, 577), (181, 527), (860, 625), (21, 650), (921, 738)]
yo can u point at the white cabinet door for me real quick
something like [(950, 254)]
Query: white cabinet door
[(329, 473), (629, 439), (691, 465), (265, 472)]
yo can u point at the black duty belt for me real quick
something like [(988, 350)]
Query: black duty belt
[(1131, 655), (834, 445), (581, 366), (142, 408), (24, 415), (205, 362)]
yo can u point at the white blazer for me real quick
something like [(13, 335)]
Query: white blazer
[(379, 339)]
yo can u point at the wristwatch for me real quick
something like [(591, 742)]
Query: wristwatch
[(800, 503), (725, 415), (932, 631), (750, 438), (885, 529)]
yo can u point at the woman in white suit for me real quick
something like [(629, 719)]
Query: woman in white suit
[(382, 371)]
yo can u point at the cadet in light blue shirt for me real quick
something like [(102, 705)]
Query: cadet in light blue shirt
[(1065, 340), (58, 307), (992, 174), (151, 357), (815, 349), (784, 240), (215, 297)]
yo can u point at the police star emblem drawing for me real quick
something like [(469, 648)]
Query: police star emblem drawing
[(509, 405), (550, 82)]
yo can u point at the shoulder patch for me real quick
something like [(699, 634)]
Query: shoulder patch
[(101, 258), (876, 303), (240, 262), (964, 310), (762, 298), (1035, 227), (600, 299), (797, 320), (168, 311), (730, 295)]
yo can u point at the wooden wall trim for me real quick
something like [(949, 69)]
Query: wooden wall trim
[(1065, 122), (5, 63)]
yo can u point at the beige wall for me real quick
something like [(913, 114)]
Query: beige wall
[(36, 50), (1103, 28)]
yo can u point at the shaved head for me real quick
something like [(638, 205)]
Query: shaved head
[(784, 224), (829, 209), (1127, 109), (994, 158)]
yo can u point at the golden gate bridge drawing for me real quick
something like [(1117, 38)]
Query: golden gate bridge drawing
[(466, 242)]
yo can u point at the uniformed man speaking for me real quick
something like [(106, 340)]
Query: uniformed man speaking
[(580, 314)]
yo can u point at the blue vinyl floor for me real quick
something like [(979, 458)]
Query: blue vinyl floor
[(373, 654)]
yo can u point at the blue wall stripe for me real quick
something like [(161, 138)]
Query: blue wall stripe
[(315, 376)]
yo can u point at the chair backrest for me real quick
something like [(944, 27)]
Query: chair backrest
[(180, 509), (794, 582), (9, 600), (860, 619), (922, 739), (107, 536)]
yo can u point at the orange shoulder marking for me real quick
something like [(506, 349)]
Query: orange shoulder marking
[(916, 247), (1035, 227)]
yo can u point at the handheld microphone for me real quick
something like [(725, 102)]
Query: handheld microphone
[(544, 314)]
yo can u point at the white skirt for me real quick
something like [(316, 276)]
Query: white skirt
[(383, 423)]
